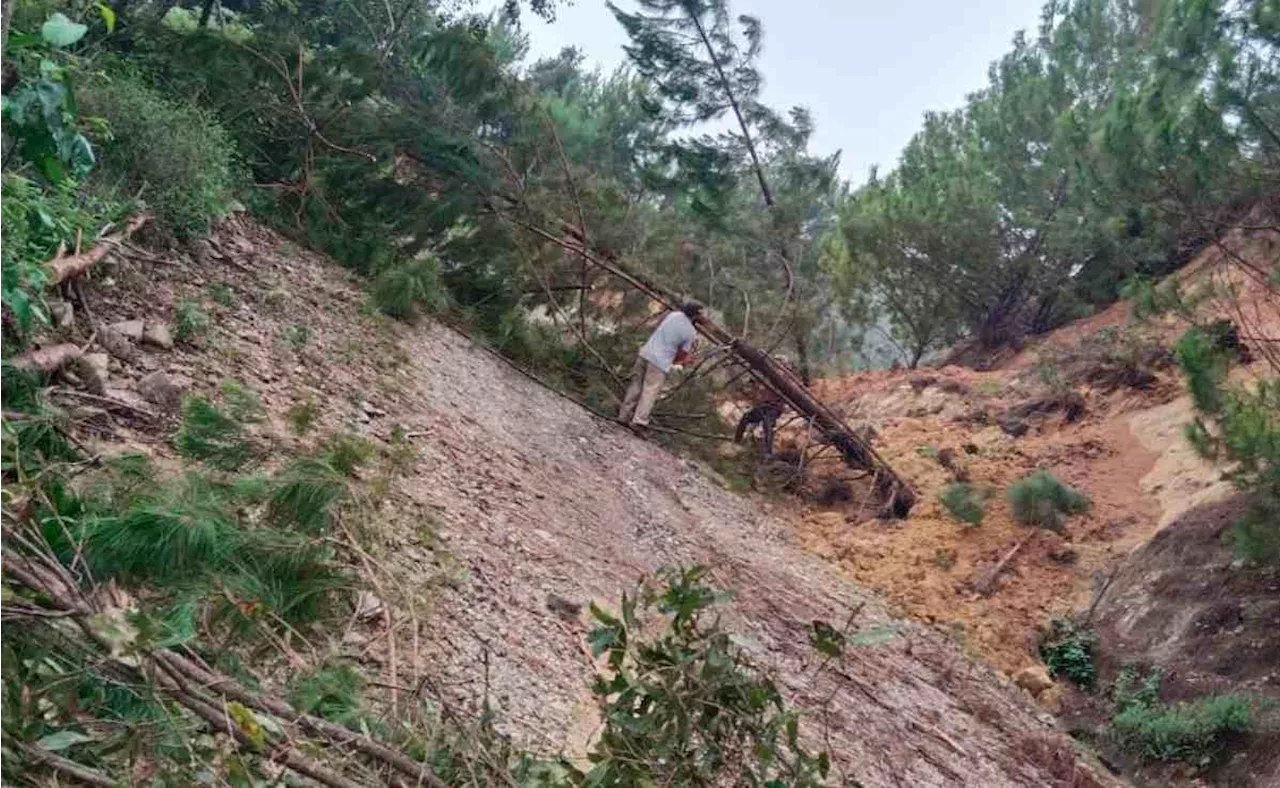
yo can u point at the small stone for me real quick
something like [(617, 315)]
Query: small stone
[(371, 409), (62, 313), (1034, 679), (158, 334), (116, 344), (368, 606), (92, 370), (1013, 426), (161, 389), (566, 609), (129, 329)]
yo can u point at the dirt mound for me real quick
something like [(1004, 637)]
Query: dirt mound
[(1185, 604), (517, 506)]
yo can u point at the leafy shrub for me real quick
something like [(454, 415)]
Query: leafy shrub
[(346, 453), (297, 335), (189, 321), (36, 221), (689, 707), (965, 502), (1195, 732), (1043, 501), (175, 153), (1067, 650)]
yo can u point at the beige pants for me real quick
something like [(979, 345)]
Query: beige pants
[(646, 385)]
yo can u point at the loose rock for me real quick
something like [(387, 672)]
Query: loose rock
[(1034, 679), (161, 389), (157, 334), (129, 329), (62, 313)]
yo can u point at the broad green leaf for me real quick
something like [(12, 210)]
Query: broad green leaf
[(108, 16), (57, 742), (62, 32)]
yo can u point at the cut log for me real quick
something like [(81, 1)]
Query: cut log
[(62, 269), (47, 359)]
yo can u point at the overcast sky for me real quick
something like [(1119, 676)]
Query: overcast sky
[(866, 69)]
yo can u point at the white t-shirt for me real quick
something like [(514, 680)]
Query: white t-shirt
[(673, 334)]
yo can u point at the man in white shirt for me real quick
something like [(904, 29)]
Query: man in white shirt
[(672, 342)]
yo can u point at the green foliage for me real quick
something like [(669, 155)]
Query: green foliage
[(1043, 501), (1067, 650), (212, 436), (302, 415), (189, 320), (966, 502), (175, 153), (221, 294), (345, 453), (297, 335), (332, 692), (1196, 732), (1237, 424), (303, 495), (688, 707), (400, 287)]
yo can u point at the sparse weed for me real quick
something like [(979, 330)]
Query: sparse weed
[(944, 557), (966, 502), (1041, 500), (346, 453), (221, 294), (189, 321), (302, 415), (297, 335)]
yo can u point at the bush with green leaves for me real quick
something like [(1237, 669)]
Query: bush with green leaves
[(966, 502), (172, 152), (212, 436), (689, 707), (1238, 424), (1067, 650), (1043, 501), (189, 320), (1196, 731)]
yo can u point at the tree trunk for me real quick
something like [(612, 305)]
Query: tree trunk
[(8, 17), (207, 12), (801, 337)]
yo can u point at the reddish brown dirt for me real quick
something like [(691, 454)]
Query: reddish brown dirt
[(929, 564), (513, 497)]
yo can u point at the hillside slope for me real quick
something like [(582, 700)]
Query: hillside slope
[(515, 506)]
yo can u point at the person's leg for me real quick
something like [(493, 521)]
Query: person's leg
[(650, 388), (768, 420), (628, 408)]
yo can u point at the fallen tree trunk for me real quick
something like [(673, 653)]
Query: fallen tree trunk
[(62, 269), (894, 494)]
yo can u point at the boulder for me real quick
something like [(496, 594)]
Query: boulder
[(1034, 679), (161, 389)]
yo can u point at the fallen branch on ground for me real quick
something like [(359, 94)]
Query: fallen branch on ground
[(62, 269), (987, 586)]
